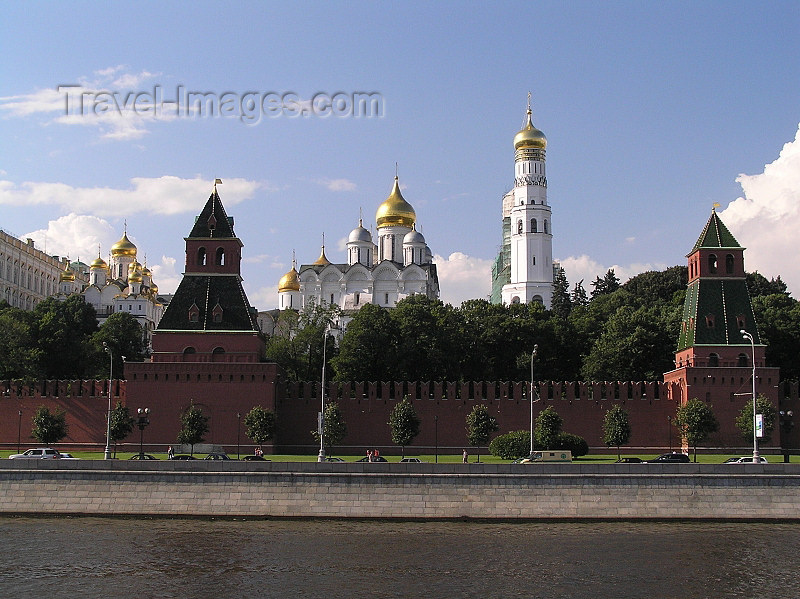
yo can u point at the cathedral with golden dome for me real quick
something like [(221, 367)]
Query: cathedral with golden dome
[(120, 285), (400, 264)]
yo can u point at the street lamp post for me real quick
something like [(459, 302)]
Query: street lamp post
[(533, 359), (321, 422), (19, 430), (435, 436), (747, 335), (107, 349), (142, 423), (238, 428)]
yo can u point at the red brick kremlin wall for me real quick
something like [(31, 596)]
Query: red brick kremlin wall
[(443, 407)]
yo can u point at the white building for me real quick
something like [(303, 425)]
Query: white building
[(27, 274), (123, 285), (528, 225), (399, 265)]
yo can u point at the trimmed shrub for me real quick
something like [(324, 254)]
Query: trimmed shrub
[(577, 445), (512, 445)]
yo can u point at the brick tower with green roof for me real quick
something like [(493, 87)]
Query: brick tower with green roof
[(713, 360)]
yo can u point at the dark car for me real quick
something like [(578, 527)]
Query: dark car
[(670, 458), (374, 459), (254, 458), (183, 456), (216, 456), (142, 456), (629, 461)]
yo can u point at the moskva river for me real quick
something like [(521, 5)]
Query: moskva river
[(110, 558)]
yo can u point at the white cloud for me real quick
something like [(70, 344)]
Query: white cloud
[(338, 184), (165, 195), (463, 277), (113, 101), (76, 236), (263, 298), (165, 274), (767, 218)]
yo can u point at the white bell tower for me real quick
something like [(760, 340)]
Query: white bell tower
[(531, 221)]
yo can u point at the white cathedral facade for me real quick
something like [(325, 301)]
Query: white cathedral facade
[(122, 285), (400, 264)]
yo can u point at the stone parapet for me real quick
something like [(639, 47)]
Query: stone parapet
[(407, 491)]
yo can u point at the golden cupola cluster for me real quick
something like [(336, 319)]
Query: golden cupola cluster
[(395, 211), (529, 136), (67, 275)]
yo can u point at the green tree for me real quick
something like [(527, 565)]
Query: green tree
[(61, 331), (404, 424), (547, 429), (758, 285), (124, 335), (579, 297), (616, 428), (260, 424), (560, 303), (121, 424), (656, 287), (367, 351), (744, 421), (636, 344), (334, 427), (49, 427), (778, 318), (608, 284), (18, 356), (480, 426), (427, 343), (194, 426), (696, 422)]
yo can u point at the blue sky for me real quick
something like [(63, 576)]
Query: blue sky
[(652, 112)]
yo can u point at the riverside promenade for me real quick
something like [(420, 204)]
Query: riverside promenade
[(401, 491)]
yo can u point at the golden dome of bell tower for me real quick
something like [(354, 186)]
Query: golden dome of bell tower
[(529, 143)]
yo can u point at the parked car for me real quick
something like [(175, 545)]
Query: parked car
[(40, 453), (411, 461), (379, 458), (183, 456), (67, 456), (746, 460), (333, 459), (216, 456), (670, 458), (142, 456), (255, 458), (629, 461)]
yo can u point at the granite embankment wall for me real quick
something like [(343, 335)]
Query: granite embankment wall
[(419, 491)]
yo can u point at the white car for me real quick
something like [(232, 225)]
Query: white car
[(749, 460), (40, 453), (68, 456)]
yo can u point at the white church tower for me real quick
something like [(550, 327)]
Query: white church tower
[(531, 272)]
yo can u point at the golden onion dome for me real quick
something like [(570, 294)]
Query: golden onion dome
[(395, 210), (66, 275), (134, 266), (529, 136), (323, 259), (289, 282), (146, 272), (123, 247), (98, 263), (135, 277), (154, 289)]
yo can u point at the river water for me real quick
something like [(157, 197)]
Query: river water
[(111, 558)]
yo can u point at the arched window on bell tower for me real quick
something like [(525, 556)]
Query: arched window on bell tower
[(729, 263), (201, 256), (534, 226), (712, 263)]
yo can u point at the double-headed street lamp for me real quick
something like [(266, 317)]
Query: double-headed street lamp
[(142, 424), (107, 349), (747, 335)]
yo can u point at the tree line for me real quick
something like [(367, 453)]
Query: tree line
[(617, 332)]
